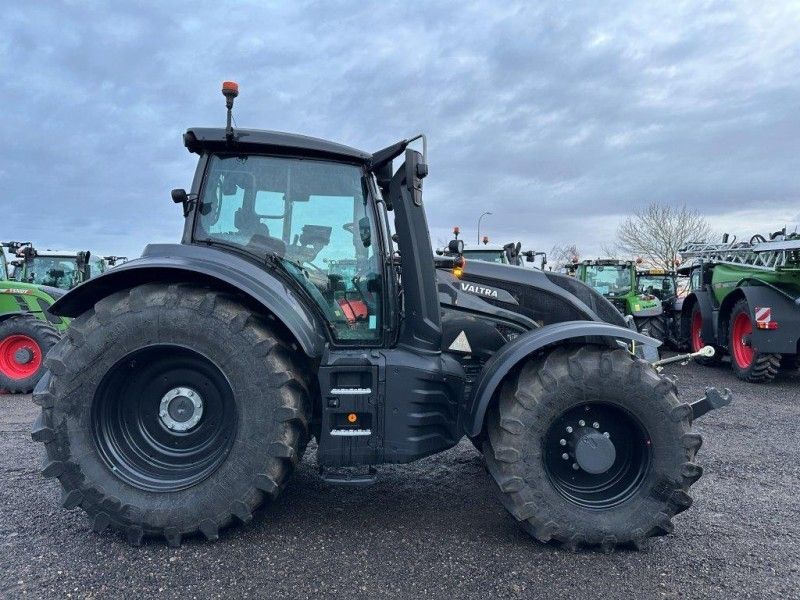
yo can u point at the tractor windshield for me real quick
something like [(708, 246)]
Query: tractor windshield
[(660, 286), (609, 279), (55, 271), (495, 256), (3, 267), (314, 218)]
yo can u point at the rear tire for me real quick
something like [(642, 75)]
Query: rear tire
[(24, 342), (651, 467), (136, 463), (748, 364), (656, 327)]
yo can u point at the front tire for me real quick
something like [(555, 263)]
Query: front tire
[(558, 473), (170, 410), (748, 363), (696, 342), (24, 342)]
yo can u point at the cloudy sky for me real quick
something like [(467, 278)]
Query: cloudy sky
[(560, 118)]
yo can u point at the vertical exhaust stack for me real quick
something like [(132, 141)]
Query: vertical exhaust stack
[(230, 89)]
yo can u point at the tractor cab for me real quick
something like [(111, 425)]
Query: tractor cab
[(657, 282), (507, 254), (63, 269)]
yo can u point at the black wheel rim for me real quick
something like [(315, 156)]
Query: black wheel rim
[(597, 455), (134, 425)]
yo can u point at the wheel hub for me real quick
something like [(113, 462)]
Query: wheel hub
[(596, 455), (594, 452), (181, 409), (22, 356)]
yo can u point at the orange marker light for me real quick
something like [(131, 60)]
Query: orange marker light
[(352, 418), (230, 86), (456, 230)]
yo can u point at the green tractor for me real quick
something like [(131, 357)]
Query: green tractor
[(663, 284), (617, 281), (27, 329), (745, 301), (56, 268)]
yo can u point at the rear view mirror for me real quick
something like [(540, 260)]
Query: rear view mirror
[(529, 256)]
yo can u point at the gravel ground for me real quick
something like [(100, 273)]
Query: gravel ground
[(433, 529)]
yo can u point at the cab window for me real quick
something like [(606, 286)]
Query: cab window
[(311, 216)]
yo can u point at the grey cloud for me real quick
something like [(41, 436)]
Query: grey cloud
[(558, 117)]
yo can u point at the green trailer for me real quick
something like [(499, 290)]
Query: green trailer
[(27, 329), (617, 281), (745, 301)]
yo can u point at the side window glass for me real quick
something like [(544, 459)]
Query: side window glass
[(311, 215)]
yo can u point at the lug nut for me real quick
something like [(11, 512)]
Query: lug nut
[(582, 423), (575, 466), (565, 456), (596, 425), (606, 434), (569, 429), (563, 442)]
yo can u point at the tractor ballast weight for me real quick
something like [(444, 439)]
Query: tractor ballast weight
[(287, 313)]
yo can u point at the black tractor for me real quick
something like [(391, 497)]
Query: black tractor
[(191, 379)]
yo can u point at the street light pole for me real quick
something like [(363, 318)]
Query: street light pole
[(479, 225)]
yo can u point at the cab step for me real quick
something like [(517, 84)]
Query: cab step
[(352, 476)]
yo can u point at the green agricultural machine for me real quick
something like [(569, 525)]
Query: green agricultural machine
[(27, 329), (663, 284), (617, 281), (56, 268), (745, 301)]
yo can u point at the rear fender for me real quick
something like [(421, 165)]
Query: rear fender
[(204, 266), (706, 303), (782, 310), (512, 354)]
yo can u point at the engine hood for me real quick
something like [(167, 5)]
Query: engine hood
[(543, 296)]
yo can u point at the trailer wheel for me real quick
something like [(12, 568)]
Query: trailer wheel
[(591, 447), (747, 362), (24, 342), (696, 342), (170, 410)]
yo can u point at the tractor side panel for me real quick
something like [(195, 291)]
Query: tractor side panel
[(387, 406)]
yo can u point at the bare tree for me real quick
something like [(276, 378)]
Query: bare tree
[(610, 250), (561, 256), (658, 231)]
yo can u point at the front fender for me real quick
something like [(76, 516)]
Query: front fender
[(203, 265), (509, 356)]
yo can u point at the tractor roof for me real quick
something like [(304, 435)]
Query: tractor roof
[(202, 139), (607, 262)]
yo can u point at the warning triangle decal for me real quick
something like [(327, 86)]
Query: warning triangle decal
[(461, 343)]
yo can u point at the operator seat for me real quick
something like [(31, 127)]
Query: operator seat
[(256, 232)]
